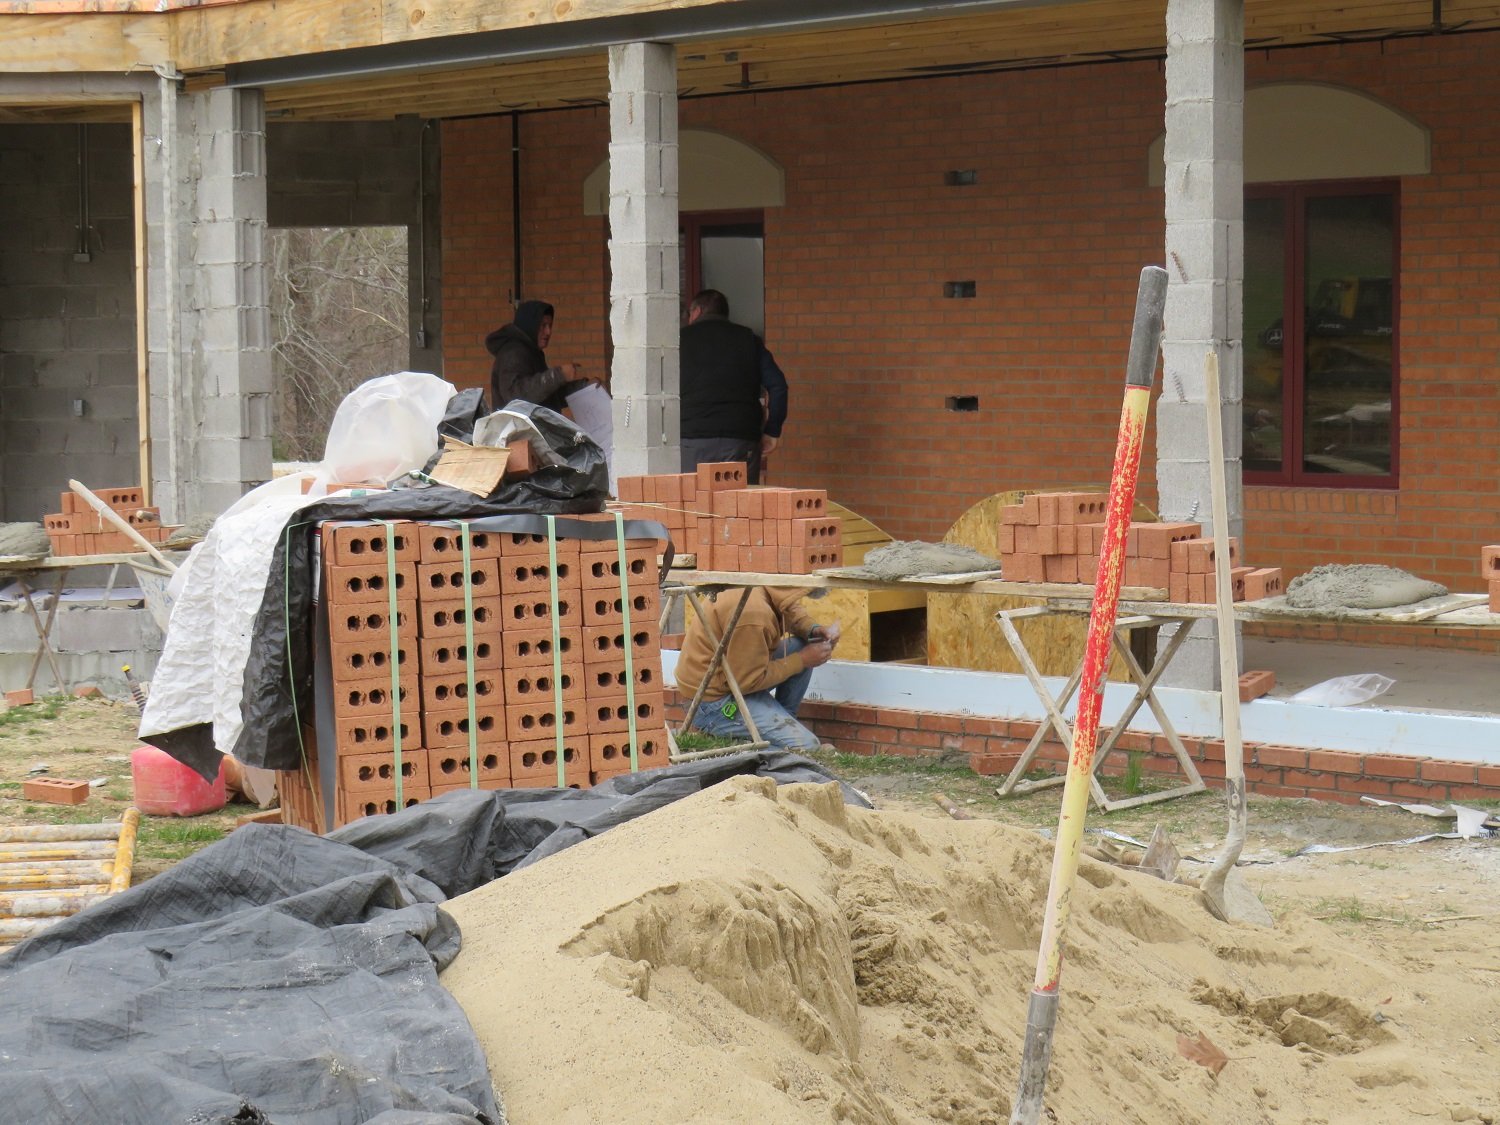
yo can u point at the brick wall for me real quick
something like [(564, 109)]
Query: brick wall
[(993, 746), (1053, 234)]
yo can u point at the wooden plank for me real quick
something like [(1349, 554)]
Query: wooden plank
[(77, 44), (1060, 591)]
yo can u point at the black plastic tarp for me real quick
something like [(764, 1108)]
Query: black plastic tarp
[(283, 977), (277, 695)]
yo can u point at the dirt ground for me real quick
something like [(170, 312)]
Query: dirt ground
[(91, 739)]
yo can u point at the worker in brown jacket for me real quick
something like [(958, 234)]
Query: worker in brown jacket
[(775, 647)]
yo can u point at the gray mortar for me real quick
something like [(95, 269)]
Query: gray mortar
[(1363, 586), (191, 532), (24, 541), (911, 560)]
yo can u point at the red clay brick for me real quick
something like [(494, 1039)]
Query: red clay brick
[(358, 772), (604, 679), (530, 648), (366, 584), (369, 659), (611, 752), (374, 735), (442, 729), (449, 767), (441, 655), (443, 542), (449, 618), (1458, 773), (602, 571), (1253, 685), (606, 716), (1391, 766), (606, 607), (55, 790), (1335, 761), (359, 544)]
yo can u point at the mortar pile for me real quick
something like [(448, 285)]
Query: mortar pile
[(755, 954)]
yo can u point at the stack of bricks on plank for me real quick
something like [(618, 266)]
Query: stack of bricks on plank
[(732, 527), (79, 530), (516, 715), (1058, 536), (1489, 566)]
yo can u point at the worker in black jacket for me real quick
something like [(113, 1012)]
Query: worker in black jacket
[(725, 370), (520, 369)]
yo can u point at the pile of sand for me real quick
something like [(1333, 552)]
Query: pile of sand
[(755, 955)]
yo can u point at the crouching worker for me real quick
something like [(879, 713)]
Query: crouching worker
[(773, 652)]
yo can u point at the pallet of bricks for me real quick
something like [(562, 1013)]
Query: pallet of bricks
[(730, 526), (515, 666), (79, 530), (1058, 537)]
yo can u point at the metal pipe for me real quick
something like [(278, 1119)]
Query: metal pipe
[(515, 210), (130, 824), (76, 849), (166, 86), (82, 251), (422, 299)]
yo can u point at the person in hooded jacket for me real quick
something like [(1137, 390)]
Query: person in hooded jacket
[(520, 369), (775, 647)]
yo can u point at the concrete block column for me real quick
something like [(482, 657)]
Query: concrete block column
[(209, 325), (1205, 188), (644, 295)]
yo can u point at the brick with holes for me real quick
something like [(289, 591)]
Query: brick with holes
[(365, 699), (529, 721), (532, 574), (358, 544), (442, 655), (451, 690), (442, 729), (602, 571), (449, 767), (796, 503), (375, 734), (370, 659), (370, 624), (1263, 583), (450, 619), (378, 771), (1489, 563), (606, 607), (528, 686), (537, 759), (610, 753), (368, 584), (613, 713), (606, 643), (526, 648), (357, 806), (446, 581), (603, 680), (717, 476), (533, 611)]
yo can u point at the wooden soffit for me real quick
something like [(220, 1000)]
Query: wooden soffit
[(398, 63)]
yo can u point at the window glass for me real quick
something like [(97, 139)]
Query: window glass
[(1265, 299), (1348, 335)]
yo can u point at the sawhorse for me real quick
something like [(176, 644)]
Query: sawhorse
[(1145, 693), (671, 597)]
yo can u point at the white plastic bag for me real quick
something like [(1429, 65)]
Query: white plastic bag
[(593, 410), (385, 427), (1345, 691)]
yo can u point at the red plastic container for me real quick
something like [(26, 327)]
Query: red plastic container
[(166, 787)]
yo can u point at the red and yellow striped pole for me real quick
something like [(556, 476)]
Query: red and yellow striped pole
[(1041, 1015)]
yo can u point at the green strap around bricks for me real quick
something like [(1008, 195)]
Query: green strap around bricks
[(393, 614), (463, 534)]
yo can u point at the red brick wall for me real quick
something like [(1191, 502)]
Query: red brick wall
[(1054, 234), (994, 745)]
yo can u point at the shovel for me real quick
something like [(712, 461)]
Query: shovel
[(1225, 892)]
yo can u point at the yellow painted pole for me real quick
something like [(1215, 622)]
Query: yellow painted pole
[(42, 904), (1041, 1014), (41, 833), (130, 824)]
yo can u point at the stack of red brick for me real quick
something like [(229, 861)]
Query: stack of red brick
[(1058, 537), (733, 527), (1489, 564), (510, 672), (79, 530)]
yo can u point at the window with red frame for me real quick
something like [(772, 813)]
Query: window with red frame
[(1321, 398)]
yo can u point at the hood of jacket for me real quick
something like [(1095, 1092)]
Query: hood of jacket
[(507, 334)]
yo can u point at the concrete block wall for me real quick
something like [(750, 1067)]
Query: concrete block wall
[(1054, 234), (92, 645), (67, 327)]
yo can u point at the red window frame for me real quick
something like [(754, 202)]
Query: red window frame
[(1294, 358)]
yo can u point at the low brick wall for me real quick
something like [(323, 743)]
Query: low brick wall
[(993, 746), (1449, 638)]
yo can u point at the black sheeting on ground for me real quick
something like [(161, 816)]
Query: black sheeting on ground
[(283, 977)]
